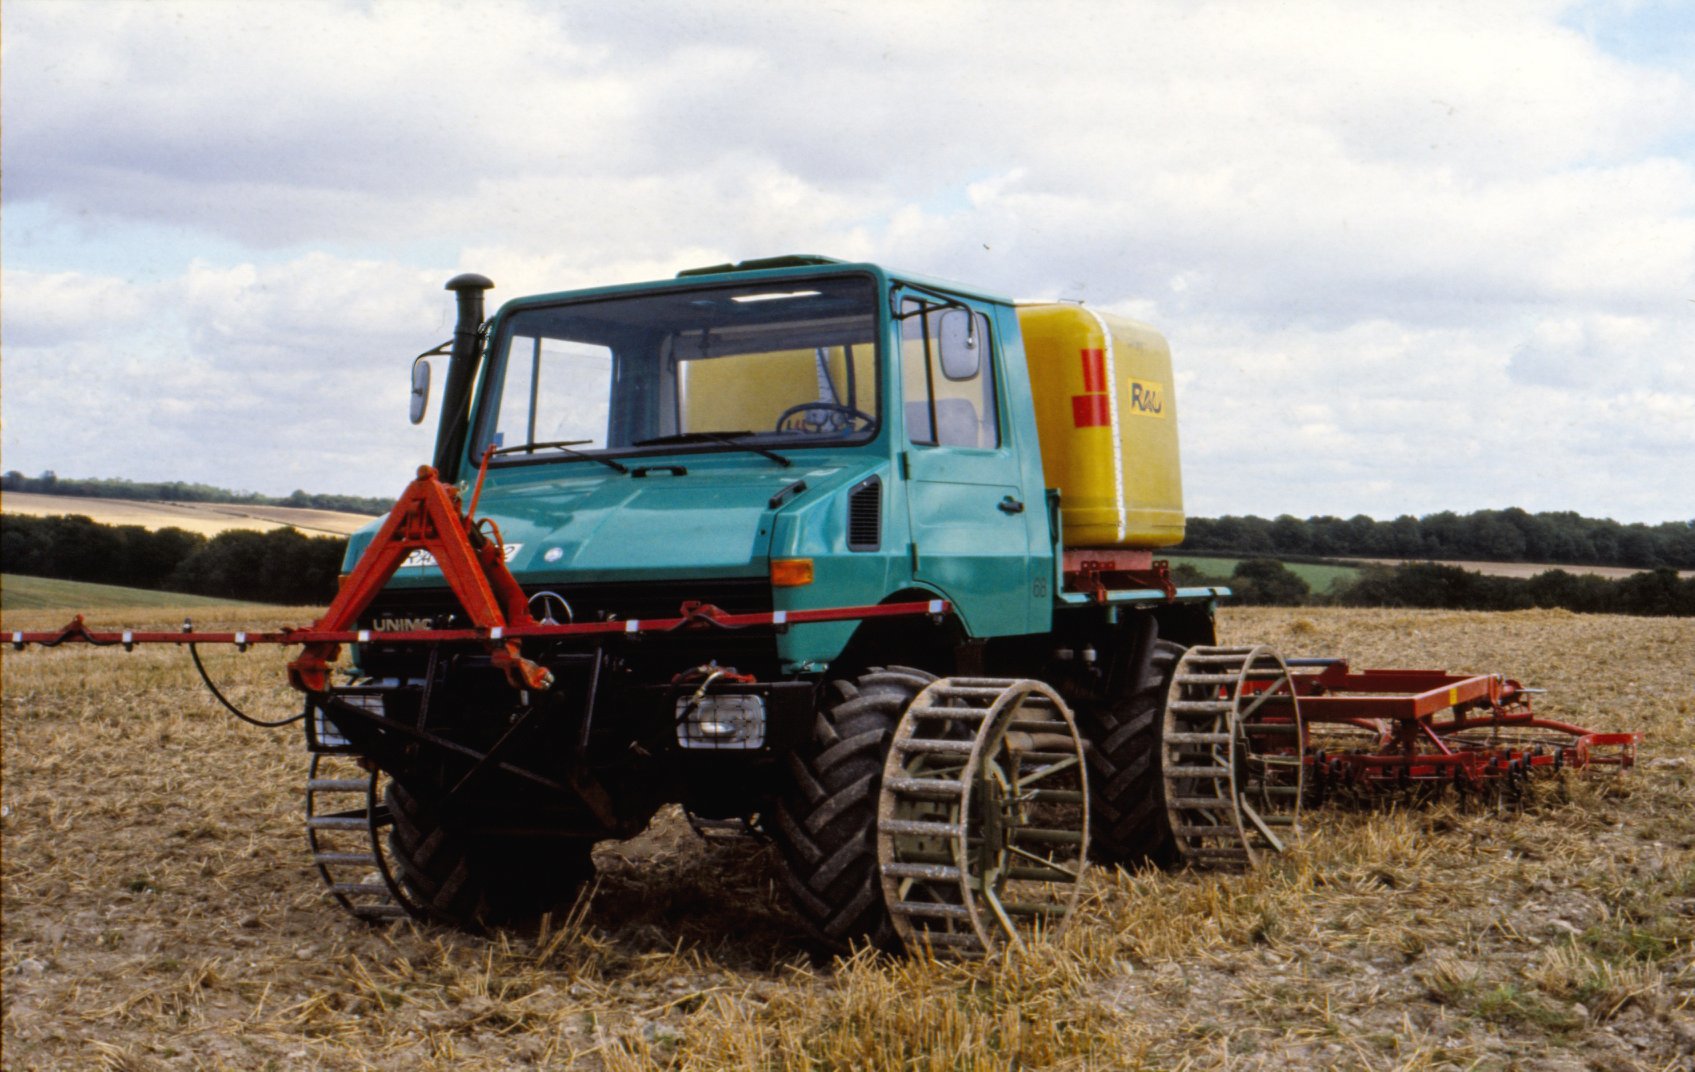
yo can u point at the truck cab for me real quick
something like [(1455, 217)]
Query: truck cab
[(787, 434)]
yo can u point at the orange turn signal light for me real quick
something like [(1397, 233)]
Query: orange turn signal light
[(791, 572)]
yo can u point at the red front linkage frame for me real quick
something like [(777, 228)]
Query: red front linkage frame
[(428, 518)]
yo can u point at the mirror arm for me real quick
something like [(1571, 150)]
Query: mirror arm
[(945, 301)]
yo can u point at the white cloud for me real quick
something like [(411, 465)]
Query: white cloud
[(1380, 419), (1390, 242), (1607, 355), (58, 307), (288, 375)]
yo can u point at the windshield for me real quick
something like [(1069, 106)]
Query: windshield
[(772, 365)]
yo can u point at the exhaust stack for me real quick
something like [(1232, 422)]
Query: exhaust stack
[(461, 370)]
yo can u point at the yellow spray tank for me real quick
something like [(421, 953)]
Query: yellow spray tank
[(1106, 412)]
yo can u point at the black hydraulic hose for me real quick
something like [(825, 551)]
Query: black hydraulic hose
[(194, 653)]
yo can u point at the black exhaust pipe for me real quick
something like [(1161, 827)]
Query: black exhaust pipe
[(461, 371)]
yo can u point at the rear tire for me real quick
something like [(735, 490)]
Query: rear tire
[(475, 881), (825, 822), (1128, 820)]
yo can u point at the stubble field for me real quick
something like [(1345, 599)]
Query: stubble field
[(160, 911), (208, 519)]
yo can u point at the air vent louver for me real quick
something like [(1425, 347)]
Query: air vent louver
[(865, 515)]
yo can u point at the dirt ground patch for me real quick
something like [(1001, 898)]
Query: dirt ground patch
[(160, 911)]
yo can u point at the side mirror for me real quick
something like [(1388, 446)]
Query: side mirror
[(420, 388), (962, 357)]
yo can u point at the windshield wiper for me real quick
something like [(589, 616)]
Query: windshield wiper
[(562, 445), (733, 439)]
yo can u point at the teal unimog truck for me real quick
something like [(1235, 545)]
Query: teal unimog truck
[(855, 559)]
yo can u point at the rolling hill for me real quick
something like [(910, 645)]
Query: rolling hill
[(206, 518)]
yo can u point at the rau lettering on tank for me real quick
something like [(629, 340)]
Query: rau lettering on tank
[(1144, 398)]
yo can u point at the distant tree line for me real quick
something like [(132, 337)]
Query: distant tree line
[(280, 566), (50, 483), (1511, 535), (1659, 592), (287, 566)]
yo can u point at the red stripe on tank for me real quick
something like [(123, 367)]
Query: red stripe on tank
[(1094, 370), (1091, 411)]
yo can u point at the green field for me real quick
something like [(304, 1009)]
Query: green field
[(1318, 577), (42, 593)]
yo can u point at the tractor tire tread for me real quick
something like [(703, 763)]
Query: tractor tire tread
[(827, 838), (1128, 820), (475, 883)]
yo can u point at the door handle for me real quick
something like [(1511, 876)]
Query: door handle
[(1010, 505)]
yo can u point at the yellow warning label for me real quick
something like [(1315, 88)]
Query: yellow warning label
[(1144, 398)]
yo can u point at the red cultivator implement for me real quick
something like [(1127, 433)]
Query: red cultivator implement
[(1249, 738), (1370, 731)]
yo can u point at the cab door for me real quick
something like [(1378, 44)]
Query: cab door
[(972, 521)]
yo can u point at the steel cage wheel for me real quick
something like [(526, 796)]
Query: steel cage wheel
[(983, 816), (1234, 755), (347, 824)]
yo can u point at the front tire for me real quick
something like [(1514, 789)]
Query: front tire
[(826, 819), (474, 881)]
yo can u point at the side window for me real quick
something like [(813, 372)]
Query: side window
[(948, 377), (554, 390)]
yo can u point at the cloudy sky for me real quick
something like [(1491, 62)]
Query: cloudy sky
[(1410, 257)]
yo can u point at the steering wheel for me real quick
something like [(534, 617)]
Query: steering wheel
[(844, 416)]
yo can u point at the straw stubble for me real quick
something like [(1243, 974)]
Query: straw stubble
[(160, 911)]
